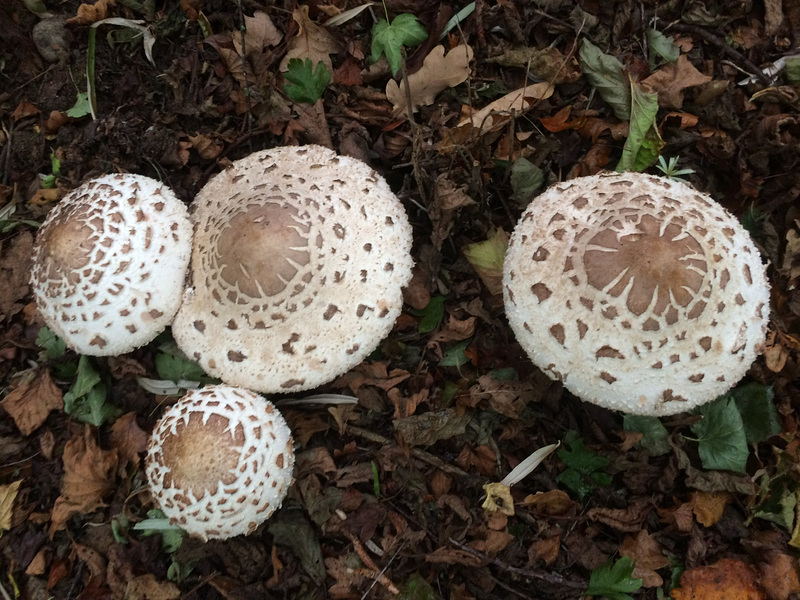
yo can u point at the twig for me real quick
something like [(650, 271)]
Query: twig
[(716, 41), (415, 452)]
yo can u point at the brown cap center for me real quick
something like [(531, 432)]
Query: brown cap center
[(200, 455), (662, 267), (262, 249)]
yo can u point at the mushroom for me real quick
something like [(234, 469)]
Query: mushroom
[(637, 292), (298, 265), (109, 263), (219, 462)]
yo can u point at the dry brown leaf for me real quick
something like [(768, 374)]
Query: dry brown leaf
[(447, 198), (727, 579), (260, 33), (624, 519), (554, 503), (15, 269), (438, 73), (32, 400), (405, 406), (429, 428), (518, 100), (128, 438), (671, 79), (453, 556), (506, 397), (545, 550), (709, 506), (455, 330), (779, 576), (312, 41), (147, 587), (8, 494), (91, 13), (647, 556), (205, 146), (495, 542), (88, 477)]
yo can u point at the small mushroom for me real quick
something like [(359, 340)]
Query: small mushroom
[(637, 292), (109, 263), (219, 462), (298, 265)]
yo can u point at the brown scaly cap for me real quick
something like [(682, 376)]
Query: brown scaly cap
[(638, 292)]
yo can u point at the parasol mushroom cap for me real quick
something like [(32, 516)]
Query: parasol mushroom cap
[(638, 292), (298, 265), (219, 462), (109, 263)]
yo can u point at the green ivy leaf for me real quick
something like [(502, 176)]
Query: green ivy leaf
[(432, 314), (526, 179), (613, 580), (654, 434), (607, 75), (759, 415), (644, 142), (389, 39), (721, 439), (306, 82)]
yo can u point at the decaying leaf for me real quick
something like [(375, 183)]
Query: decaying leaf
[(487, 259), (8, 494), (260, 33), (15, 269), (128, 438), (779, 576), (429, 428), (708, 507), (672, 79), (89, 475), (547, 64), (312, 41), (518, 101), (147, 587), (438, 72), (727, 579), (647, 556), (32, 400)]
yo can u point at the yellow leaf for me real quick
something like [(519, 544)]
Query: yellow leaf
[(438, 73), (8, 493)]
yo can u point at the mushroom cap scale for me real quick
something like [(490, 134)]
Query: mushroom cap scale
[(299, 261), (220, 462), (637, 292), (109, 263)]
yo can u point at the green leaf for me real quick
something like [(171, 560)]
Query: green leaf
[(81, 107), (613, 580), (389, 39), (583, 473), (661, 45), (53, 346), (307, 83), (606, 74), (644, 142), (86, 398), (721, 439), (432, 314), (176, 367), (759, 415), (454, 355), (654, 434), (793, 70), (416, 587), (526, 179)]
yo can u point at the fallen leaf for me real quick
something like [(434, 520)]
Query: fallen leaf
[(495, 542), (708, 507), (487, 259), (508, 398), (32, 400), (8, 493), (547, 64), (728, 579), (672, 79), (88, 477), (447, 199), (147, 587), (647, 556), (260, 33), (555, 503), (623, 519), (15, 269), (429, 428), (205, 146), (438, 73), (91, 13), (128, 438), (546, 550), (779, 576), (312, 41), (518, 100)]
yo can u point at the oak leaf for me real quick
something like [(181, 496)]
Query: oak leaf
[(312, 41), (88, 477), (32, 400), (647, 556), (672, 79), (438, 72)]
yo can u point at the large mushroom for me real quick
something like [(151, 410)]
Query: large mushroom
[(109, 263), (220, 461), (639, 293), (298, 265)]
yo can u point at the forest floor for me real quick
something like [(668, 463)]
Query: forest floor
[(388, 499)]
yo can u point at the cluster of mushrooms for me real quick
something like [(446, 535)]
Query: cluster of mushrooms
[(637, 292)]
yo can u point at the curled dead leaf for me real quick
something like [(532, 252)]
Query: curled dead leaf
[(32, 400)]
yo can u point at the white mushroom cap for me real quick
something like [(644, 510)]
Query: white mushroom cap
[(109, 263), (298, 265), (637, 292), (219, 462)]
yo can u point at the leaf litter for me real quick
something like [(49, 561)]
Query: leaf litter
[(389, 495)]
